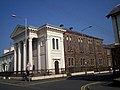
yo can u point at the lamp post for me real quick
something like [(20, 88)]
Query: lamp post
[(85, 67), (4, 65), (86, 28), (25, 51), (10, 64)]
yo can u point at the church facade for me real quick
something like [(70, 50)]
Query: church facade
[(42, 51)]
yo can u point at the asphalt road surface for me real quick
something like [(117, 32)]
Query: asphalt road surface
[(53, 84), (71, 83)]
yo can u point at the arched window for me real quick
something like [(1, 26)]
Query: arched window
[(53, 43), (57, 45)]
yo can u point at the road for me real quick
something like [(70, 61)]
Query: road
[(71, 83), (55, 84)]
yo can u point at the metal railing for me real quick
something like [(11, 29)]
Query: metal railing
[(45, 72)]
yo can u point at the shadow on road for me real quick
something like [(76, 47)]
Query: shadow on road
[(105, 77), (108, 78)]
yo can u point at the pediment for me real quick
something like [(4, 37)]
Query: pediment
[(18, 29)]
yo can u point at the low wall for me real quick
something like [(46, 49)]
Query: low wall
[(48, 77), (56, 76), (82, 73)]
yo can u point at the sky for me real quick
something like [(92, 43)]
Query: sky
[(78, 14)]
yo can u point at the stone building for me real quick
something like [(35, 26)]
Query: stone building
[(6, 60), (54, 49), (44, 51), (115, 17)]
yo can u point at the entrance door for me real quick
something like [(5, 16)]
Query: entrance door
[(56, 67)]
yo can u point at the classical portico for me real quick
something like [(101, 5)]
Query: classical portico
[(44, 49)]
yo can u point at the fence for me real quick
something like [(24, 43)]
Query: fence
[(45, 72)]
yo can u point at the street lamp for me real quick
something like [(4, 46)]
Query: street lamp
[(4, 65), (25, 22), (10, 64), (86, 28), (85, 67)]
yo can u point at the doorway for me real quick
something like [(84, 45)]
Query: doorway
[(56, 67)]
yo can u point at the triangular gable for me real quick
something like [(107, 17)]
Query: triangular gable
[(18, 29)]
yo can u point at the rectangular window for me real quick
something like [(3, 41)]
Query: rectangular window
[(98, 47), (90, 44), (100, 61), (72, 62), (92, 61), (80, 43), (82, 61), (69, 61), (108, 52), (69, 43)]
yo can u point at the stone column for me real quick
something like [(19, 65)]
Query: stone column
[(19, 56), (24, 55), (30, 54), (39, 61), (15, 58), (62, 50)]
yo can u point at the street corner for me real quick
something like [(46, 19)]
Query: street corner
[(100, 86)]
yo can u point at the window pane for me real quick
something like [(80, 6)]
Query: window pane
[(53, 42), (72, 61), (57, 47), (69, 61)]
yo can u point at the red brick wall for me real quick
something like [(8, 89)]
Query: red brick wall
[(75, 53)]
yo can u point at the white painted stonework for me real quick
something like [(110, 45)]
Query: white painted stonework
[(116, 27), (44, 48)]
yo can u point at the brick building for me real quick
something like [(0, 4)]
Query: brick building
[(83, 52), (108, 55)]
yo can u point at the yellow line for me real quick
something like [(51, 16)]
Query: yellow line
[(85, 86)]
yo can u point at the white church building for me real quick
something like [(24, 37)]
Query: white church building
[(39, 49)]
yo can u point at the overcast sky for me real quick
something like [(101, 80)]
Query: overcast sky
[(78, 14)]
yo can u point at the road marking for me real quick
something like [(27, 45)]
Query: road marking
[(85, 86)]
